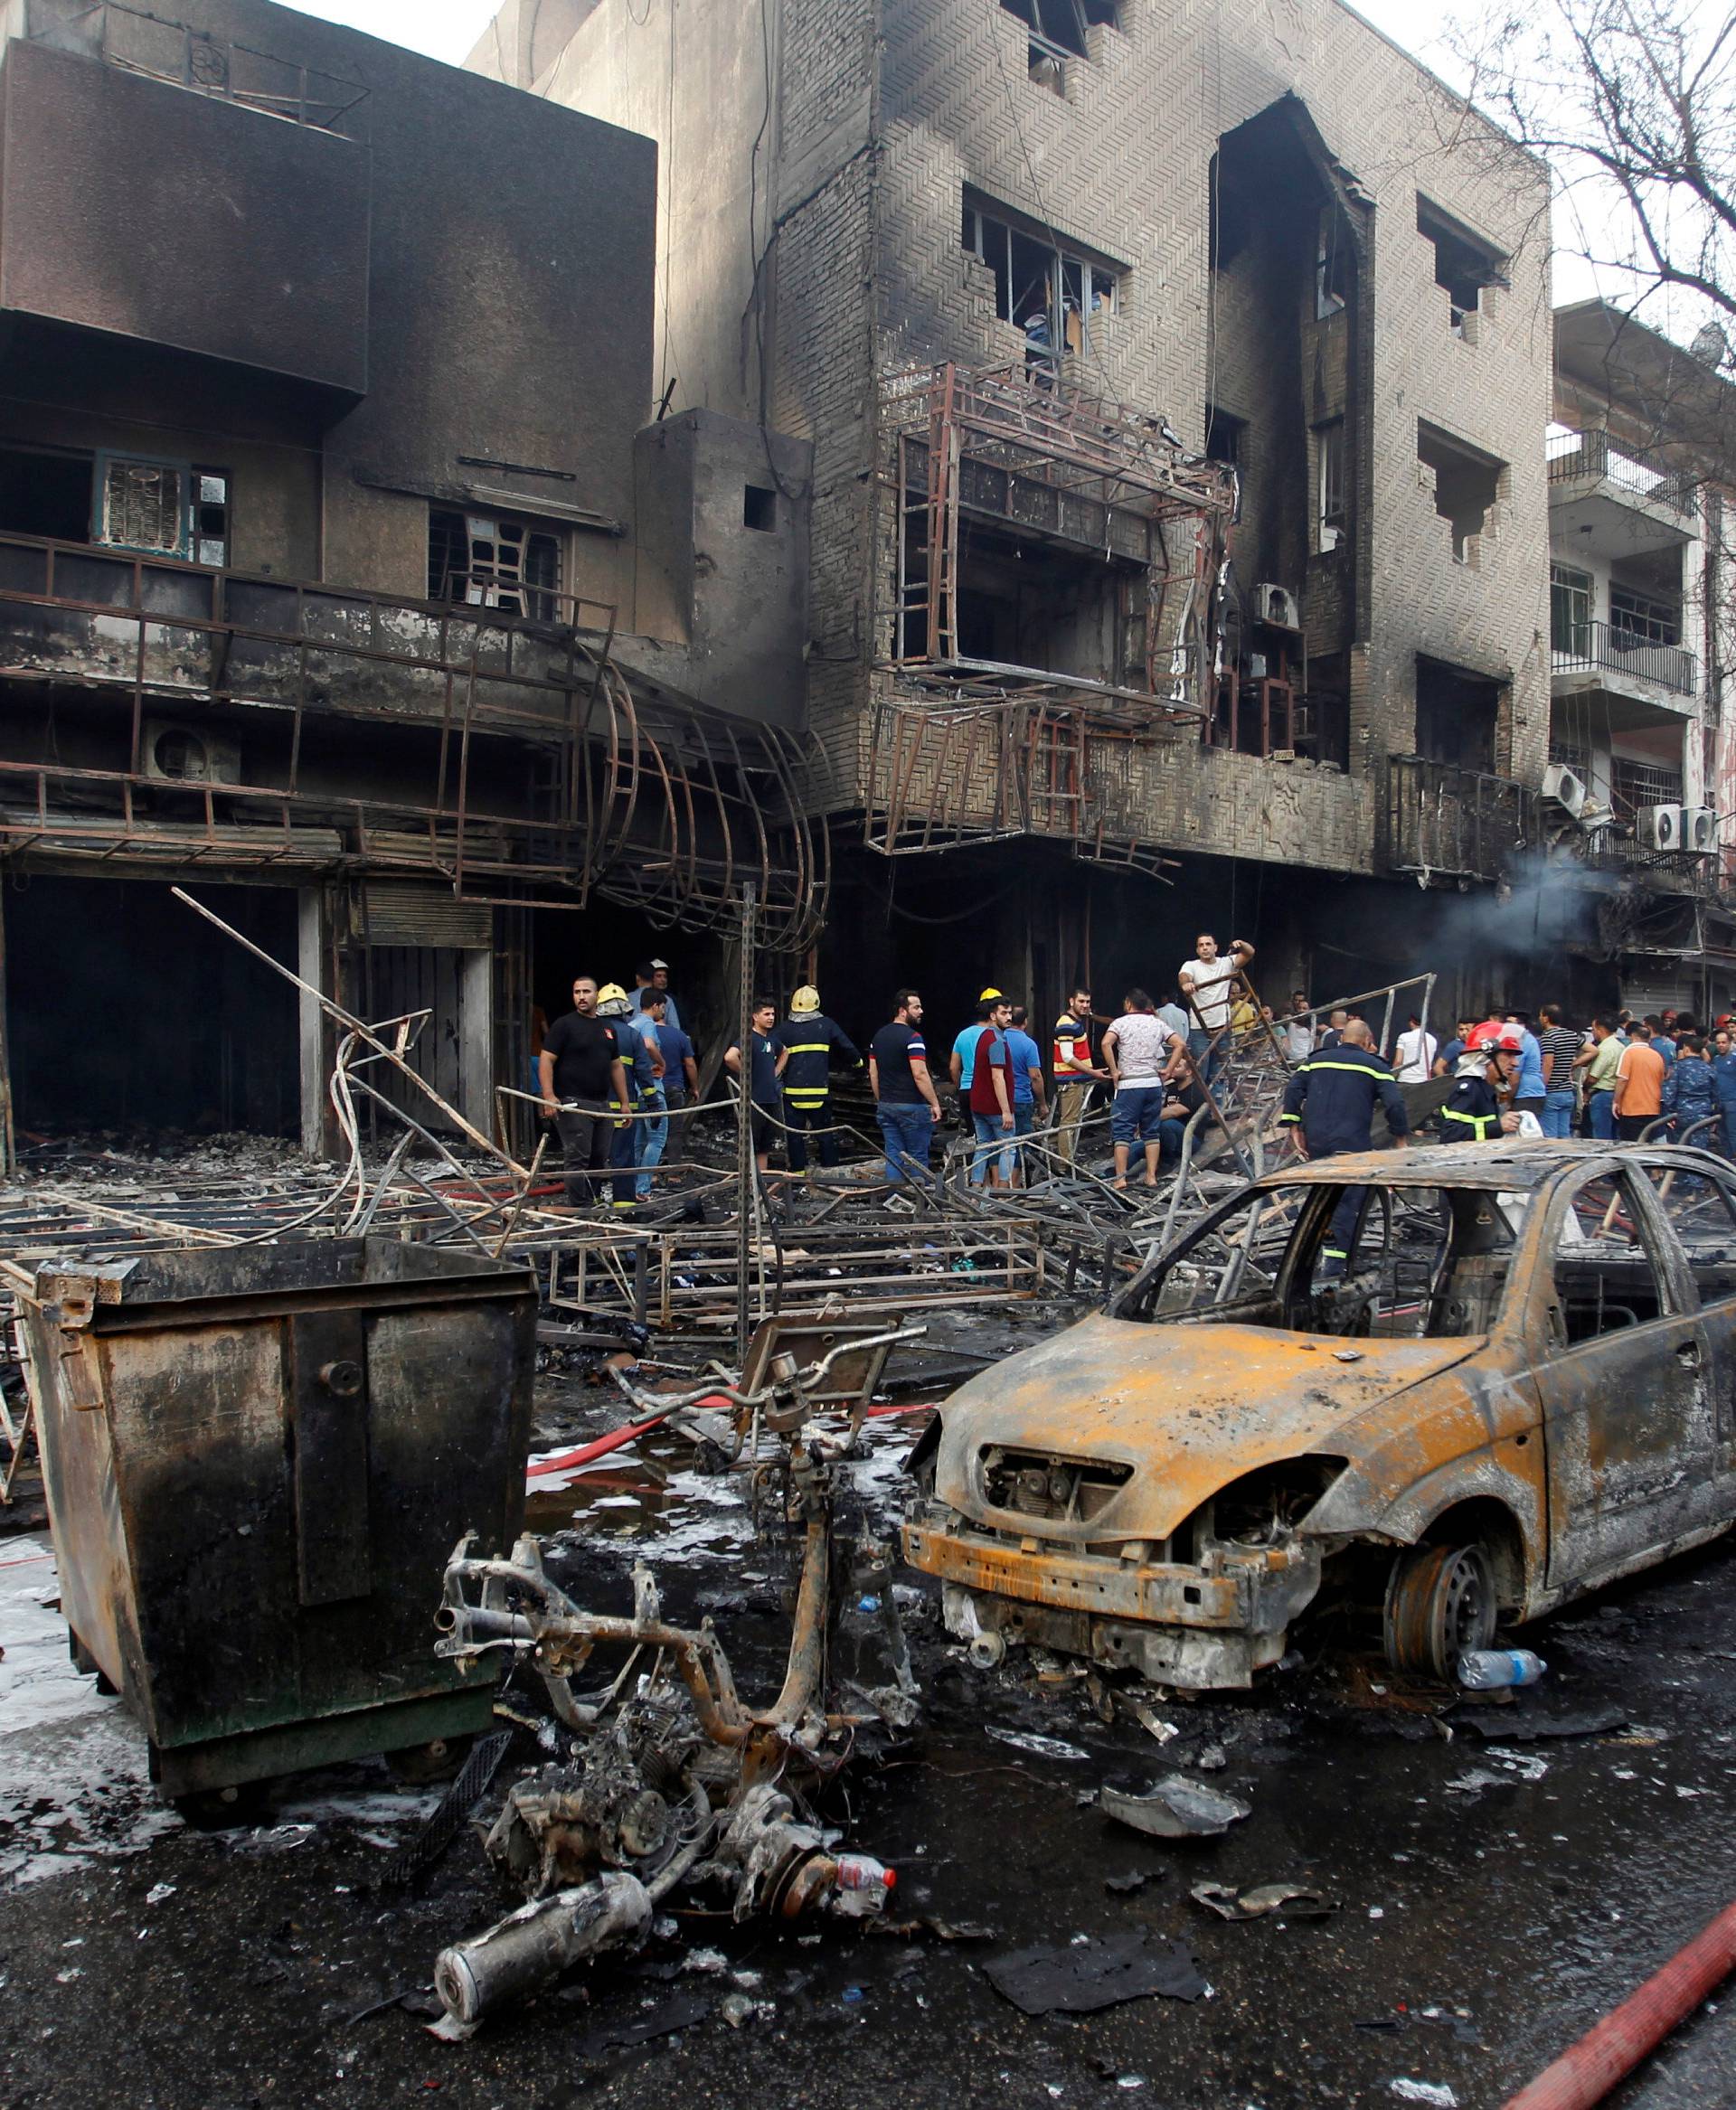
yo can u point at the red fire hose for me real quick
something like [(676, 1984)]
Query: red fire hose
[(1610, 2050)]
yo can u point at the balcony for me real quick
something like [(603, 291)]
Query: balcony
[(1640, 679), (1450, 824), (1627, 508)]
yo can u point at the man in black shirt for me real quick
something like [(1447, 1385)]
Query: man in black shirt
[(766, 1067), (580, 1071), (904, 1096)]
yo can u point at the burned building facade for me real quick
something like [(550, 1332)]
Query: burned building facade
[(347, 575), (1176, 380)]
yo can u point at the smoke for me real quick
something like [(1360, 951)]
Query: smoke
[(1532, 917)]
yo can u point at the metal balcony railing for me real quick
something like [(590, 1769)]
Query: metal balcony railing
[(1575, 454), (1459, 823), (1590, 646), (137, 41)]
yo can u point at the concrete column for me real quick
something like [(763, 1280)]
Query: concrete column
[(316, 965), (477, 1039)]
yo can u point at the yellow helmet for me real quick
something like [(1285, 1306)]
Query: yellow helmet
[(611, 1001), (806, 999), (991, 996)]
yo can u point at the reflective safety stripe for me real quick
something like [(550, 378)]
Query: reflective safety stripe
[(1289, 1120), (810, 1048), (1349, 1069), (806, 1095), (1482, 1123)]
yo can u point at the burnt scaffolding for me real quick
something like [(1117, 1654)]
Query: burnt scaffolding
[(965, 749), (612, 786)]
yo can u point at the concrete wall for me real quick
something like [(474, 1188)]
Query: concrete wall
[(732, 597), (508, 316), (886, 109)]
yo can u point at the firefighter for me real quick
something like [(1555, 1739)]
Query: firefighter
[(642, 1060), (1329, 1107), (1472, 1111), (808, 1041)]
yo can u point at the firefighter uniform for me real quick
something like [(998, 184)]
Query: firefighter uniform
[(1332, 1097), (1472, 1112), (810, 1040)]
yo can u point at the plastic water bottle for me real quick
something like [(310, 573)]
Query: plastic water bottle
[(861, 1872), (1484, 1669)]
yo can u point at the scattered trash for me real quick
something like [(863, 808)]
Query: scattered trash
[(1083, 1980), (670, 2017), (1039, 1746), (1295, 1900), (1486, 1670), (436, 1833), (159, 1892), (1128, 1884), (852, 1996), (737, 2009), (1175, 1807), (1130, 1703), (706, 1962), (1435, 2092)]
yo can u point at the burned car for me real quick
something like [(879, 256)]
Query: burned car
[(1518, 1387)]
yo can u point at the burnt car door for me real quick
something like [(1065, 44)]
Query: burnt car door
[(1699, 1202), (1625, 1379)]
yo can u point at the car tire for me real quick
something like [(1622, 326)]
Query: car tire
[(1440, 1602)]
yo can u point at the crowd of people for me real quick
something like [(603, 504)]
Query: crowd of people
[(618, 1069)]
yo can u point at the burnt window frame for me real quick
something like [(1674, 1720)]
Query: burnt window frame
[(106, 460), (1091, 284), (540, 599)]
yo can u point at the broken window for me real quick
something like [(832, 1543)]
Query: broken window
[(1606, 1277), (1421, 1263), (1332, 265), (759, 509), (1052, 295), (1058, 29), (1463, 265), (1637, 618), (1467, 484), (491, 562), (45, 493), (1329, 479), (1457, 715), (210, 517), (142, 504), (1223, 436)]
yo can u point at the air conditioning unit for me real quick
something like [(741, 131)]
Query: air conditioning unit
[(1700, 830), (1276, 605), (1659, 827), (1566, 787), (187, 754)]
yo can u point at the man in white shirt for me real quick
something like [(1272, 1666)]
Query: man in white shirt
[(1140, 1053), (1414, 1060), (1208, 988)]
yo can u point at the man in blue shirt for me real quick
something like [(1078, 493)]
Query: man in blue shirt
[(1030, 1105), (680, 1076), (654, 974), (642, 1060), (1530, 1095)]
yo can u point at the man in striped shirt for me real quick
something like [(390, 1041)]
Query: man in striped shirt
[(1560, 1048)]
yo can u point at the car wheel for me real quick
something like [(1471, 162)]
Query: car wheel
[(1440, 1603)]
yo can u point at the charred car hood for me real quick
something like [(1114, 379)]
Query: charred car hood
[(1189, 1408)]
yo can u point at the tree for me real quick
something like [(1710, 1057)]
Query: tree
[(1633, 104)]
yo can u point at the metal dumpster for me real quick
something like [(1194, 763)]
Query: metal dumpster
[(257, 1461)]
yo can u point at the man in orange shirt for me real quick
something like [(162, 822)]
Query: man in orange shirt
[(1639, 1084)]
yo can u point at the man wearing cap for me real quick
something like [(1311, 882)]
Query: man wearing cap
[(807, 1039), (642, 1060), (991, 1094), (654, 974)]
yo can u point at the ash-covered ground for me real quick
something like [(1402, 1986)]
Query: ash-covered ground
[(1495, 1889)]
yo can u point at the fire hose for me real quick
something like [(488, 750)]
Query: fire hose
[(1610, 2050)]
